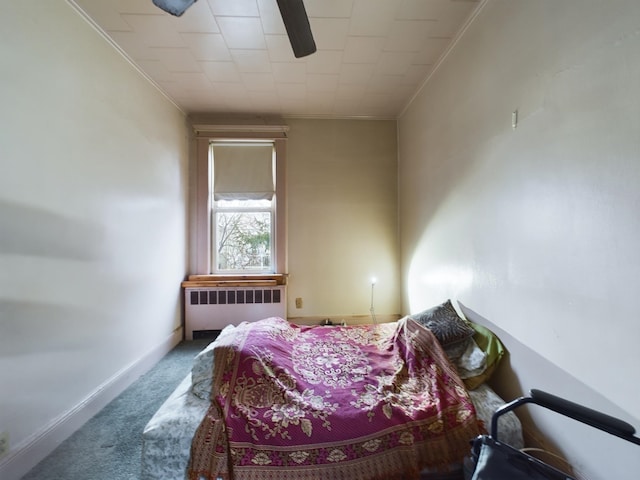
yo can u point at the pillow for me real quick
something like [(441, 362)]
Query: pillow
[(452, 331), (491, 345), (472, 362)]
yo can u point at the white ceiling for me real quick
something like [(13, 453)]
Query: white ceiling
[(233, 56)]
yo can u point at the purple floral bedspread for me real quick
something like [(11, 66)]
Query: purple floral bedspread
[(352, 403)]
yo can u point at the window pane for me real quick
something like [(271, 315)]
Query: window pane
[(243, 241)]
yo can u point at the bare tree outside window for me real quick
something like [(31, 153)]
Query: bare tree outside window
[(244, 240)]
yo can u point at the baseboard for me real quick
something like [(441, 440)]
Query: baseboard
[(34, 449)]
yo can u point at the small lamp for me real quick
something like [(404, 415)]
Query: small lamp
[(371, 309)]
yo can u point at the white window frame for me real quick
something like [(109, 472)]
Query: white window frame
[(200, 245)]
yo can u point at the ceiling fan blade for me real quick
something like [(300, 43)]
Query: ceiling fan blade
[(293, 14), (174, 7), (296, 22)]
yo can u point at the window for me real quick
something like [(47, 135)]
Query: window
[(243, 199), (239, 215), (242, 236)]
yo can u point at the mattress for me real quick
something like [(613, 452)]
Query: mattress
[(167, 437)]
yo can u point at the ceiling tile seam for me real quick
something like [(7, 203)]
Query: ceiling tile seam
[(133, 14)]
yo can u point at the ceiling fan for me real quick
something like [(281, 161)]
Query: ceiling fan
[(293, 14)]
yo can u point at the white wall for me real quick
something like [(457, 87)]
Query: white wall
[(342, 218), (93, 188), (535, 228)]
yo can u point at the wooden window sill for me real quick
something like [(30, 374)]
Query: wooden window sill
[(235, 280)]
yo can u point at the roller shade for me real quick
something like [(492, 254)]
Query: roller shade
[(243, 171)]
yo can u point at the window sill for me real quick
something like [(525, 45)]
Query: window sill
[(235, 280)]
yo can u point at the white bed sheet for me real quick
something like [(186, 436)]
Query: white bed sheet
[(166, 439), (167, 436)]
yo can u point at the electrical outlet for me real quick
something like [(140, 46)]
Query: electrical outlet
[(298, 302), (4, 443)]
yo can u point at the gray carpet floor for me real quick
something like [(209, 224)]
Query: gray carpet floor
[(109, 446)]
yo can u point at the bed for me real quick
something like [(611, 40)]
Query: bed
[(271, 399)]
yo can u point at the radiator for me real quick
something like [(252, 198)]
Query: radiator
[(213, 308)]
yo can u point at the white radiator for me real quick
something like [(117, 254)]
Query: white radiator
[(213, 308)]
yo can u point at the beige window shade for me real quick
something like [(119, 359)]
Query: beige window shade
[(243, 171)]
